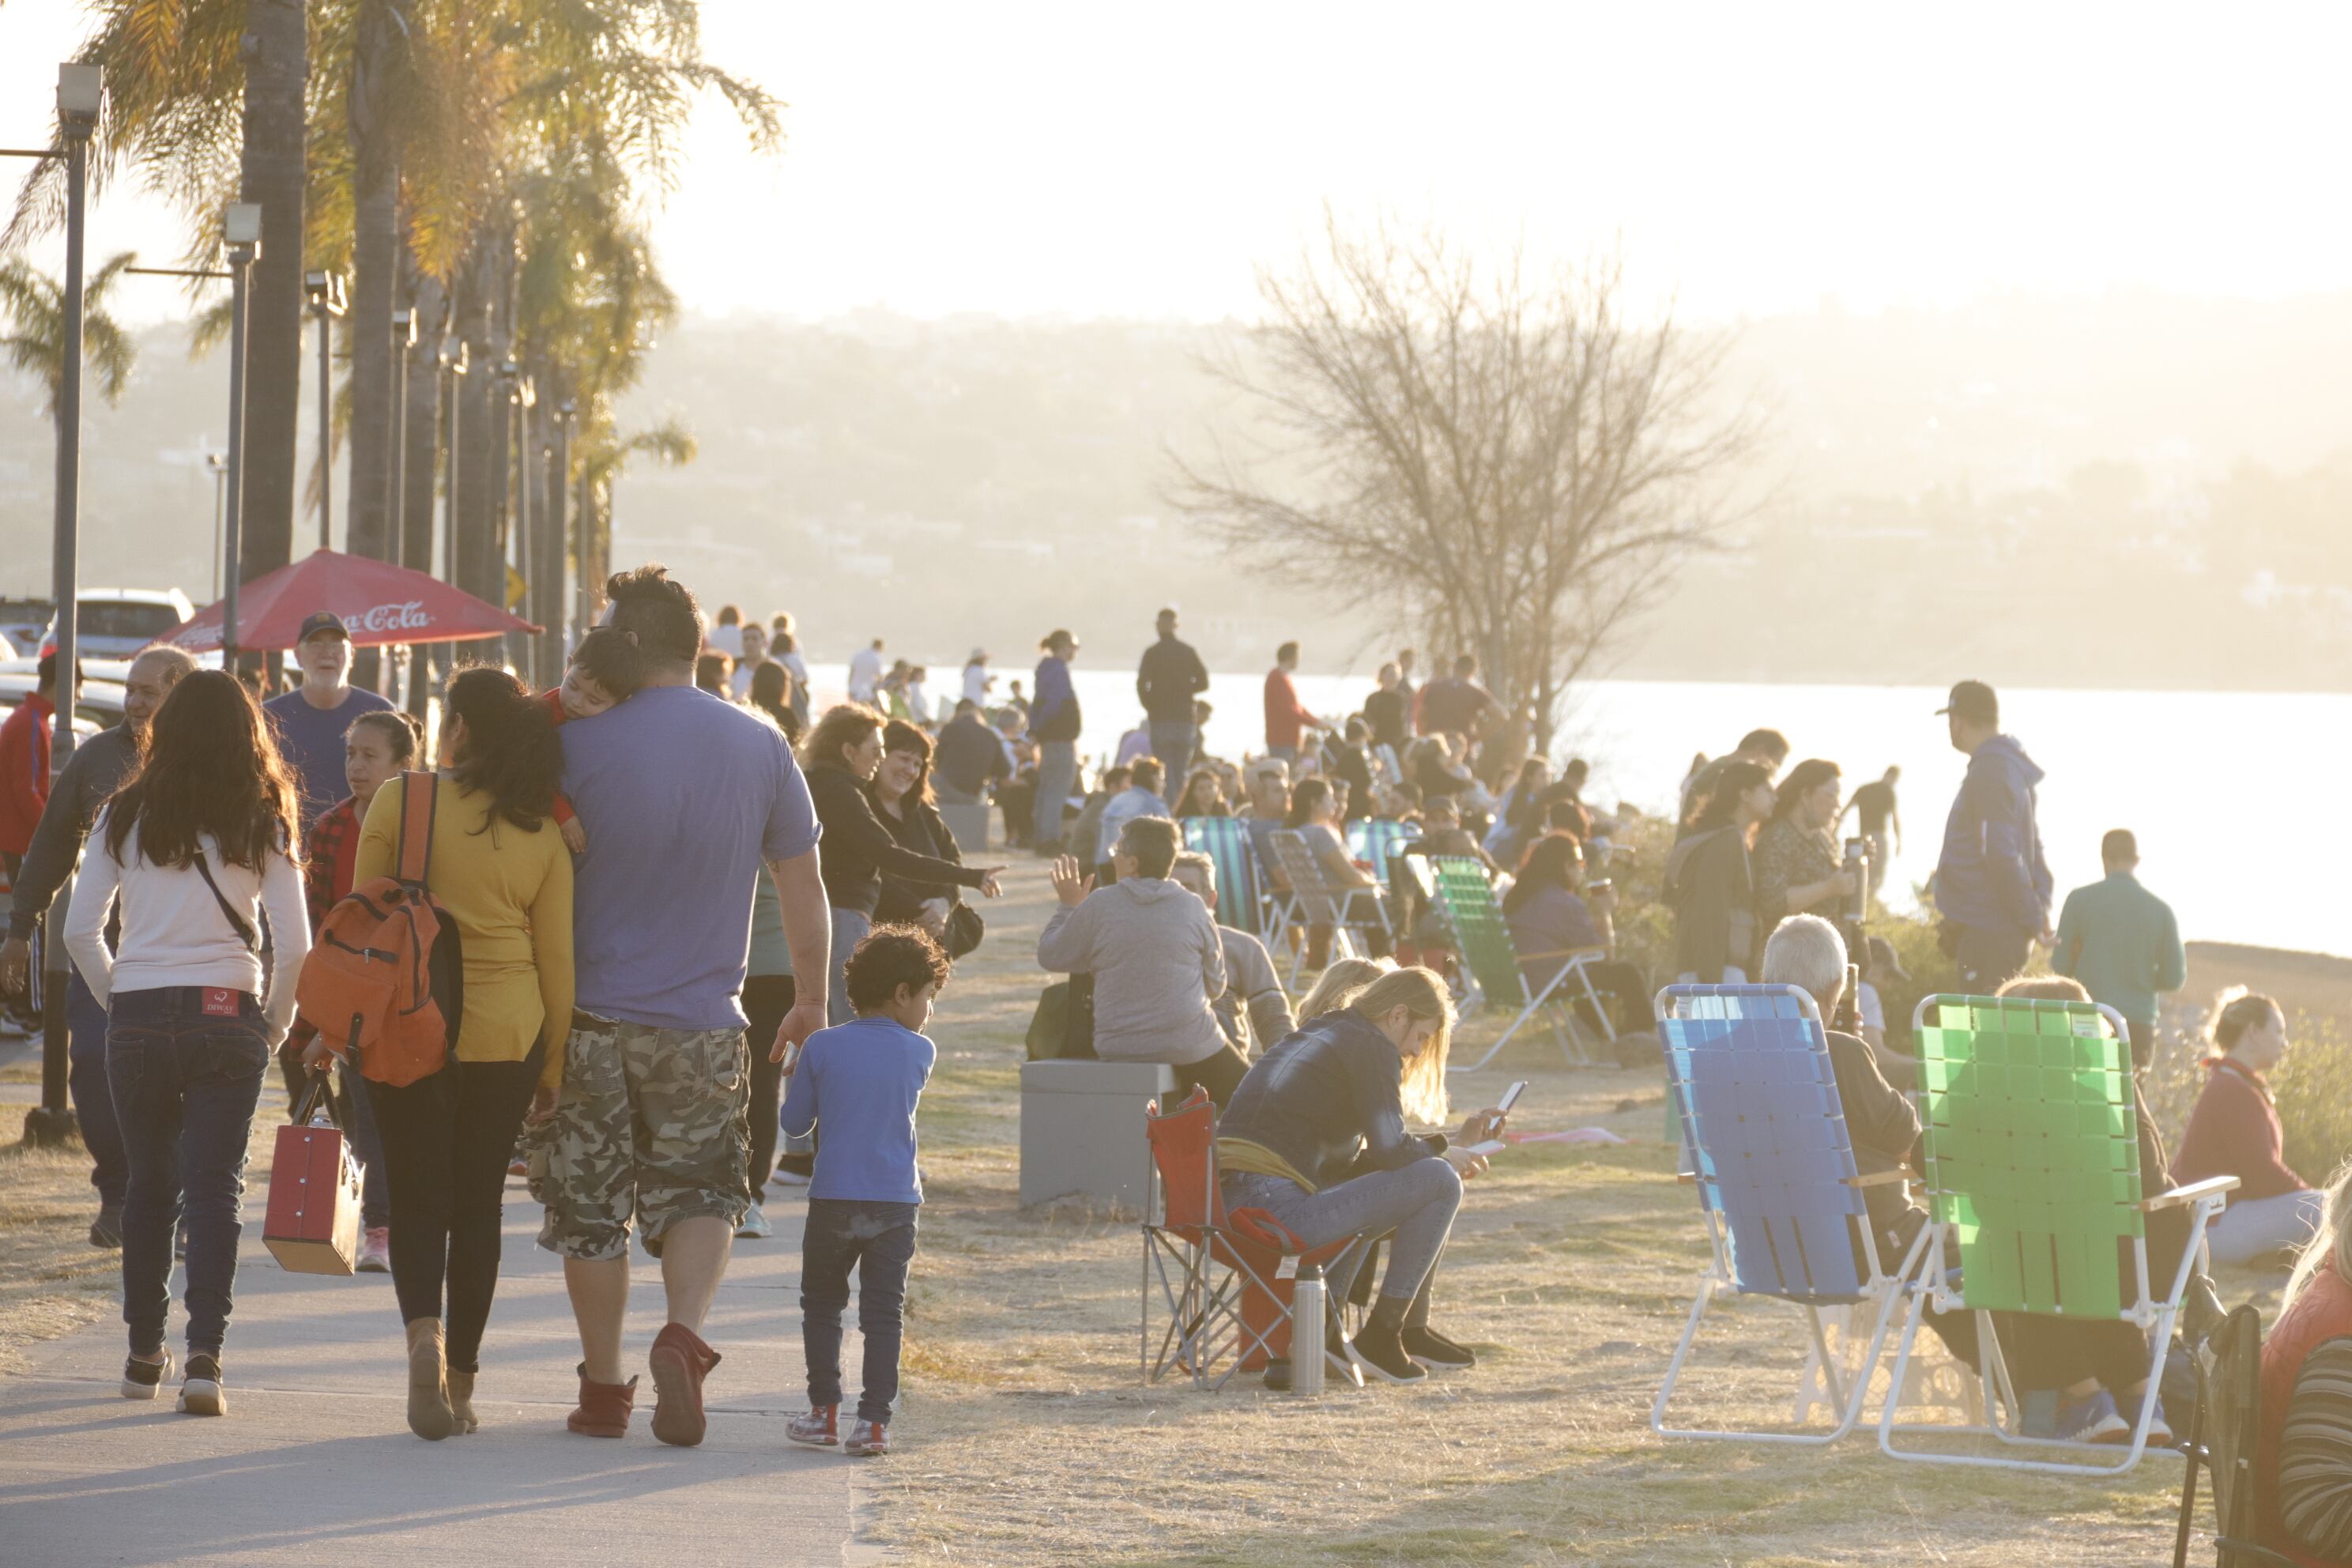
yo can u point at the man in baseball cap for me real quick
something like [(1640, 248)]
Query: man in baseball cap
[(1992, 883), (311, 719)]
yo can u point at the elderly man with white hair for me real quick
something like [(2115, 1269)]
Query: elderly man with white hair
[(1806, 952)]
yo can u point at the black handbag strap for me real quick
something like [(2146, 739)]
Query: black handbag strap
[(238, 922)]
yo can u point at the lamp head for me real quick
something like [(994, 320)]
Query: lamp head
[(80, 92), (403, 328), (243, 225)]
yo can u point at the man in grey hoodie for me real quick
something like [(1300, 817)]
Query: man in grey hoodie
[(1992, 884), (1156, 959)]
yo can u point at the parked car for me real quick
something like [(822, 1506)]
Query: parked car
[(115, 623), (101, 700), (21, 620)]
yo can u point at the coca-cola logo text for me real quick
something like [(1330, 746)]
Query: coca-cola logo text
[(409, 616)]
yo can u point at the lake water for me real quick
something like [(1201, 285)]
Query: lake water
[(2214, 783)]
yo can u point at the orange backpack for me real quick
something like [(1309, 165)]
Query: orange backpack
[(384, 983)]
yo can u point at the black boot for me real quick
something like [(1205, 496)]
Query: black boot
[(1378, 1349)]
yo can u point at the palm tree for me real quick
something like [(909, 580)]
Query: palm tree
[(35, 307)]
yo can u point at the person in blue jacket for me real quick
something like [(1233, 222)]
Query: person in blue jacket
[(1992, 884)]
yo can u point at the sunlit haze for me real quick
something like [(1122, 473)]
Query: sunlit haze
[(1080, 160)]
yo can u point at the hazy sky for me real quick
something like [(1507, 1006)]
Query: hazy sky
[(1087, 159)]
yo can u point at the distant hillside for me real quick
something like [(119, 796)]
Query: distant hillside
[(2137, 490)]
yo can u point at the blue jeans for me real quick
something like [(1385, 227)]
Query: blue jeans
[(186, 1084), (1057, 776), (1417, 1201), (367, 1143), (1173, 744), (93, 1101), (879, 1240), (849, 929)]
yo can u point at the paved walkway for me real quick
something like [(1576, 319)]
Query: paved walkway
[(315, 1463)]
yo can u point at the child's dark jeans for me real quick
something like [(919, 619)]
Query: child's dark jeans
[(879, 1240), (185, 1064)]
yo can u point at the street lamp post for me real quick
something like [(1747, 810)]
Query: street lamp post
[(80, 93), (220, 466), (325, 291), (242, 229), (404, 338), (559, 494)]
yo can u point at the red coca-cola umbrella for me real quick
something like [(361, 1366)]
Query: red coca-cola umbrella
[(379, 603)]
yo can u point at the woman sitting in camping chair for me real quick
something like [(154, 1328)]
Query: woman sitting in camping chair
[(1315, 1135), (2303, 1461)]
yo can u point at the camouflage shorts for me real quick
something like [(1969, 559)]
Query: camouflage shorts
[(650, 1127)]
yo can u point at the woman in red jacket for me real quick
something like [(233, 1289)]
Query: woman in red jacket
[(2234, 1131), (2303, 1462)]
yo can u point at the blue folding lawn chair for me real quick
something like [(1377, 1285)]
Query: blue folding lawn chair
[(1764, 1139), (1374, 839), (1241, 898)]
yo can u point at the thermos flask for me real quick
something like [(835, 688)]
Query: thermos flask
[(1306, 1318)]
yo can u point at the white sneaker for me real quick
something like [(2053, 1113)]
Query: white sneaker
[(375, 1251), (201, 1392), (755, 1225)]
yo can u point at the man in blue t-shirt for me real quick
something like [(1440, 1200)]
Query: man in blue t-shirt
[(311, 719), (685, 797)]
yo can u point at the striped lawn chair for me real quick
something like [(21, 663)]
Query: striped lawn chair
[(1241, 898), (1315, 900), (1374, 839), (2032, 1156), (1465, 899), (1764, 1139)]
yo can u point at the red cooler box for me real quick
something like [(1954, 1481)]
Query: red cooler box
[(313, 1223)]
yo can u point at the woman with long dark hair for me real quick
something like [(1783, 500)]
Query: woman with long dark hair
[(843, 754), (1551, 918), (197, 851), (900, 792), (773, 694), (499, 868), (1314, 815), (1799, 868), (1709, 882)]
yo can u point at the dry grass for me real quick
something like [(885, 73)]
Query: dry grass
[(52, 1281), (1029, 1436)]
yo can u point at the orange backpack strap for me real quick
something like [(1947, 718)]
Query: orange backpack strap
[(419, 796)]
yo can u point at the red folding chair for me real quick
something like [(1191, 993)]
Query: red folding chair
[(1225, 1279)]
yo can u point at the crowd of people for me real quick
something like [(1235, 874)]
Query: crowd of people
[(654, 1052)]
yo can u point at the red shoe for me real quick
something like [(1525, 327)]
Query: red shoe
[(678, 1362), (867, 1440), (605, 1407), (819, 1429)]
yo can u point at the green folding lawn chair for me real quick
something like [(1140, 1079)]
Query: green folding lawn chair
[(1465, 900), (2033, 1179)]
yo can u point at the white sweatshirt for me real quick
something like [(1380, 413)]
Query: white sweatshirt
[(174, 932)]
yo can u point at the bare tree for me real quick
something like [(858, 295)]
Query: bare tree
[(1514, 463)]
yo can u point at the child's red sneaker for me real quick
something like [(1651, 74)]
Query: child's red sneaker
[(866, 1440), (819, 1429)]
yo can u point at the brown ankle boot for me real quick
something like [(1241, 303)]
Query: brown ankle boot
[(429, 1391), (461, 1401), (678, 1362), (604, 1409)]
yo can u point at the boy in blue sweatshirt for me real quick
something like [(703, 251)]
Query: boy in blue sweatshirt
[(864, 1080)]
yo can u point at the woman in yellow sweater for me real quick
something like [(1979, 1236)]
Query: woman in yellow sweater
[(499, 868)]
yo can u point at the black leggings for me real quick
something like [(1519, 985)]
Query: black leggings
[(766, 999), (1219, 1072), (446, 1140)]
